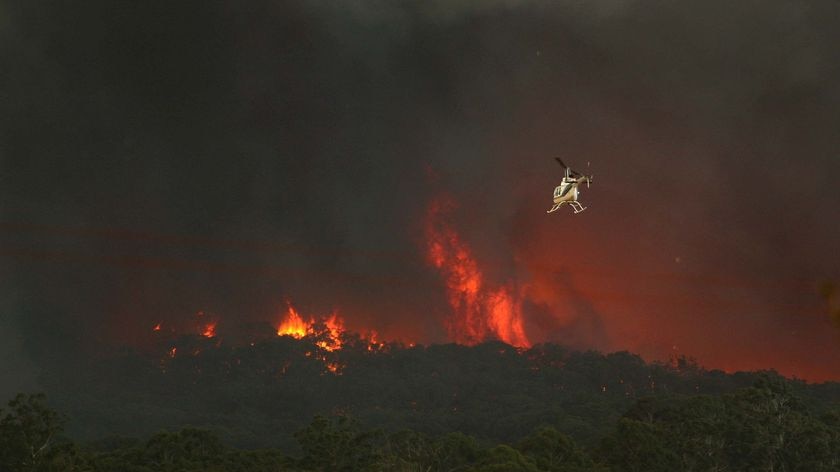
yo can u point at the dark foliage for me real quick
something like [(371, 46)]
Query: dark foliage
[(259, 395), (763, 427), (390, 407)]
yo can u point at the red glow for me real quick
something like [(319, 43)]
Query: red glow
[(373, 342), (156, 328), (335, 326), (479, 312), (209, 330)]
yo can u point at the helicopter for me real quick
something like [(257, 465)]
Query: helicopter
[(567, 191)]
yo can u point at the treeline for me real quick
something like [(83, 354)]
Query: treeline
[(259, 394), (763, 427), (438, 407)]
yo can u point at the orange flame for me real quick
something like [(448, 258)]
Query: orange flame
[(293, 325), (505, 317), (209, 330), (335, 326), (373, 342), (479, 313)]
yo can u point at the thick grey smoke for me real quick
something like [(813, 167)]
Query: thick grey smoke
[(161, 158)]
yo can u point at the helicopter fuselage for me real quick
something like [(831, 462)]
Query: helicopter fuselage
[(567, 191)]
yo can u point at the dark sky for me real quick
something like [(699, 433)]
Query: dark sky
[(159, 158)]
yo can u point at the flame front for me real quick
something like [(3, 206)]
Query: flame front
[(479, 312), (293, 325), (327, 335), (330, 331)]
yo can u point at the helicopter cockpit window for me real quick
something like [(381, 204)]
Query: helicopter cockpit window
[(562, 190)]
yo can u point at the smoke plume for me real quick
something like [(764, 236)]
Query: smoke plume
[(158, 159)]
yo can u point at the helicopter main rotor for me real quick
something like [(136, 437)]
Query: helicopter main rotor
[(569, 171)]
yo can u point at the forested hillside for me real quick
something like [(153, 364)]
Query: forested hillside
[(439, 407)]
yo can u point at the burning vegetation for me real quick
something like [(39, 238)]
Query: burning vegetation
[(480, 311), (274, 385), (209, 330), (326, 332), (331, 327), (323, 337)]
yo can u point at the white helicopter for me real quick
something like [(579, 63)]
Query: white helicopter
[(567, 191)]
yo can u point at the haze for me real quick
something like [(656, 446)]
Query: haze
[(158, 159)]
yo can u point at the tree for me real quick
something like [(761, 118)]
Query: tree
[(553, 451), (504, 458), (28, 433), (764, 428), (639, 446), (187, 449), (338, 444), (770, 429), (408, 451), (454, 451)]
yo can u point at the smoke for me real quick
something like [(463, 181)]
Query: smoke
[(829, 291), (161, 159), (17, 372)]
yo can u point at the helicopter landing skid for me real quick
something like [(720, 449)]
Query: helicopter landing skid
[(555, 207), (577, 207)]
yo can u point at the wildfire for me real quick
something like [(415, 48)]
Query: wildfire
[(330, 329), (373, 342), (206, 324), (479, 312), (209, 330), (335, 326), (293, 325), (324, 333)]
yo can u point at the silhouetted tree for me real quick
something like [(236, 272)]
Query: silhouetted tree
[(28, 433), (338, 444)]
